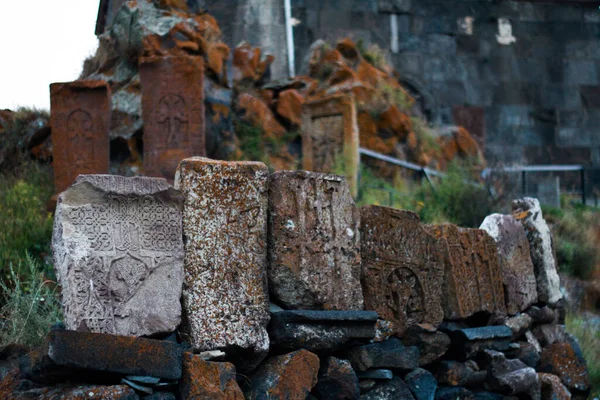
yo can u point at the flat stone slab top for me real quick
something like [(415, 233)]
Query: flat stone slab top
[(314, 242), (80, 120), (330, 136), (173, 112), (520, 287), (403, 268), (225, 229), (118, 255), (529, 213), (473, 279)]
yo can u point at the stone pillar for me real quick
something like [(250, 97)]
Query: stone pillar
[(118, 248), (403, 269), (80, 121), (330, 137), (225, 228), (173, 112), (314, 242)]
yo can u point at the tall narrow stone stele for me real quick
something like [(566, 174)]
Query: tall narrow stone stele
[(173, 112), (529, 213), (80, 122), (118, 255), (473, 279), (520, 288), (225, 228), (314, 242), (403, 268), (330, 136)]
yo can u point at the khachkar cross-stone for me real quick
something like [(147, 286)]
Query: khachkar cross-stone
[(117, 245), (403, 268), (80, 121), (225, 225), (314, 242), (173, 112)]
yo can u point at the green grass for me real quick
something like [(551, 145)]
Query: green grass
[(589, 340), (30, 307)]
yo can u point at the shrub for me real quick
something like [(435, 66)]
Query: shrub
[(30, 307), (588, 333)]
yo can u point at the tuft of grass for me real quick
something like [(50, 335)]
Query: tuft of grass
[(399, 97), (30, 307), (588, 334)]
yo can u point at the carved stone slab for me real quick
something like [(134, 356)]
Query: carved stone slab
[(520, 287), (473, 278), (118, 255), (529, 213), (173, 112), (80, 122), (225, 228), (314, 242), (403, 269), (330, 136)]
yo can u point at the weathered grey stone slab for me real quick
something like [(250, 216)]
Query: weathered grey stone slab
[(314, 242), (520, 288), (403, 268), (529, 213), (118, 255), (225, 229)]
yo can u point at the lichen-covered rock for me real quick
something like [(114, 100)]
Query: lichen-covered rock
[(552, 388), (388, 354), (289, 106), (314, 242), (394, 389), (337, 380), (432, 344), (454, 373), (566, 362), (422, 384), (511, 376), (225, 229), (288, 377), (205, 380), (118, 248), (529, 213), (520, 288)]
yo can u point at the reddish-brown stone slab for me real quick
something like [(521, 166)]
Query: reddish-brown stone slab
[(330, 136), (173, 112), (403, 268), (80, 122), (473, 279)]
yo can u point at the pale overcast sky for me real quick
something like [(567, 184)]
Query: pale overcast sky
[(42, 41)]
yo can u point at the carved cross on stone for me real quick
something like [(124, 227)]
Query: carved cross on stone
[(172, 115)]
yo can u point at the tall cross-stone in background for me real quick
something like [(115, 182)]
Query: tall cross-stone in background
[(330, 137), (118, 248), (173, 112), (403, 268), (80, 122), (314, 242), (225, 226)]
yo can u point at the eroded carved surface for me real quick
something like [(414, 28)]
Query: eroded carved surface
[(327, 141), (314, 242), (225, 228), (173, 111), (80, 123), (118, 254), (403, 268), (473, 280)]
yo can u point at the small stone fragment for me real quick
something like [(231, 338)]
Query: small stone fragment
[(525, 352), (566, 362), (422, 384), (337, 380), (205, 380), (291, 376), (389, 354), (511, 376), (529, 213), (432, 344), (314, 242), (541, 315), (515, 261), (67, 350), (225, 226), (394, 389), (118, 247), (319, 330), (403, 268), (518, 324), (377, 374), (454, 373), (552, 388)]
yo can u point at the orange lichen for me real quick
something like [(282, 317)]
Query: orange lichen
[(289, 105), (258, 114)]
